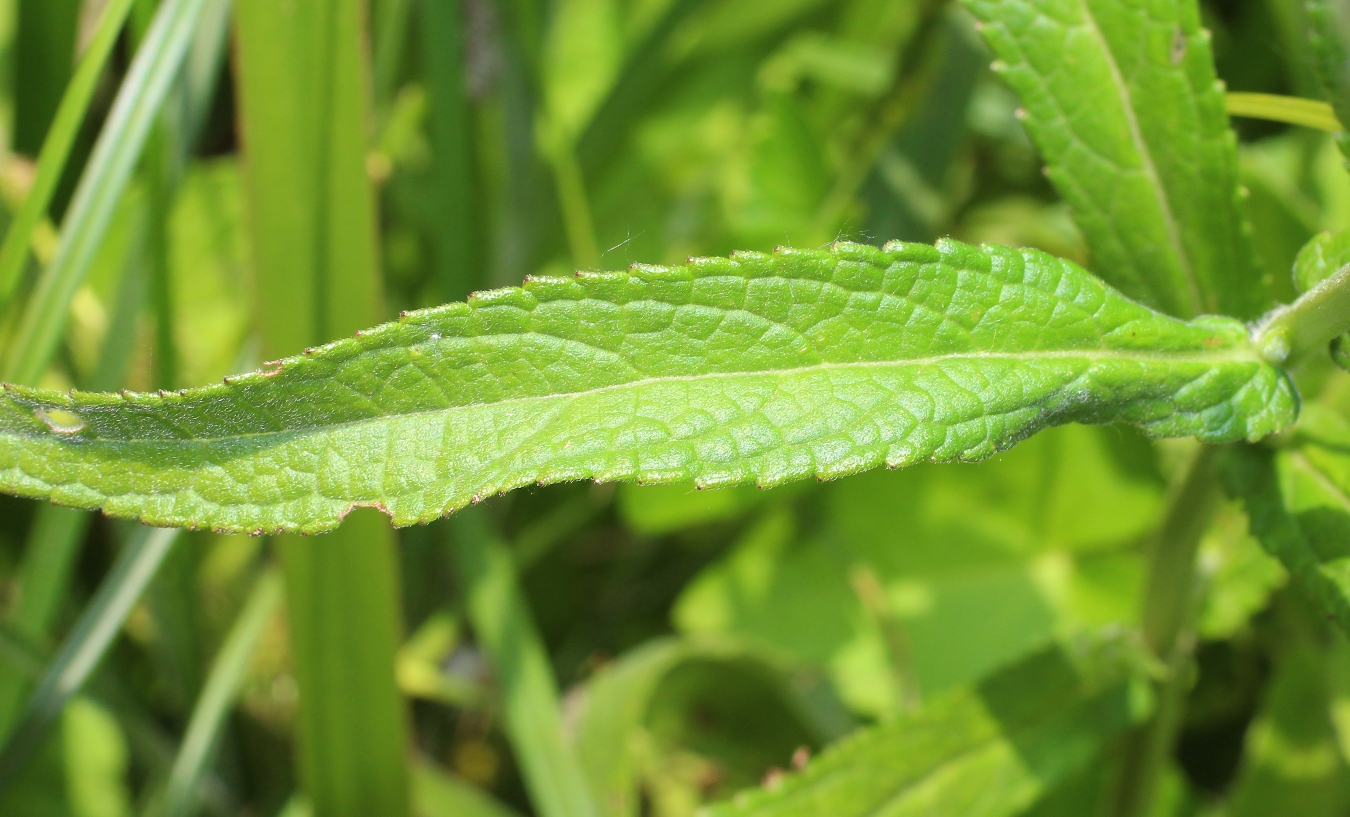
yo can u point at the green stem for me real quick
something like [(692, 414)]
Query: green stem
[(575, 204), (1170, 596), (1291, 110), (1290, 333), (452, 159)]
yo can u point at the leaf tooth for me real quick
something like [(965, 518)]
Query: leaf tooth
[(507, 296), (905, 251), (853, 251), (709, 267)]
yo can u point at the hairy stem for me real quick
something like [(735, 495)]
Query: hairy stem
[(1170, 596), (1289, 334)]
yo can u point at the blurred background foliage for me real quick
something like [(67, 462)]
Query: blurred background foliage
[(701, 640)]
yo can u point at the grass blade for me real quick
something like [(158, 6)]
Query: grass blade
[(529, 695), (119, 146), (302, 82), (88, 642), (56, 148), (218, 695)]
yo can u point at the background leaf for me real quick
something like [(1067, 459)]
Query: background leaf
[(1137, 142), (989, 751)]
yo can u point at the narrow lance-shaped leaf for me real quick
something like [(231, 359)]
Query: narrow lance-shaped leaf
[(989, 751), (754, 368), (1122, 100)]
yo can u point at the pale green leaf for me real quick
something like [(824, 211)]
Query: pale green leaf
[(987, 751), (754, 368), (1122, 100)]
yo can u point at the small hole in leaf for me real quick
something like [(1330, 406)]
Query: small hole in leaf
[(62, 421)]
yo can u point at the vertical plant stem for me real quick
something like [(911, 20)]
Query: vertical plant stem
[(389, 36), (575, 204), (501, 620), (443, 52), (305, 104), (1170, 600)]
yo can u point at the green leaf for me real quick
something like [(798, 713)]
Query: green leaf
[(1292, 764), (96, 761), (1320, 258), (613, 736), (44, 53), (763, 368), (1298, 501), (60, 138), (1054, 550), (209, 714), (1122, 100), (437, 794), (1289, 109), (989, 751), (1329, 38), (528, 695)]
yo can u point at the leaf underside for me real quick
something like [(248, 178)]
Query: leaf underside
[(754, 368)]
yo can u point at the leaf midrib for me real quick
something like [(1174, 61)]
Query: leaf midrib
[(1336, 492), (1229, 355), (1146, 157)]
